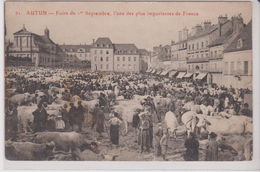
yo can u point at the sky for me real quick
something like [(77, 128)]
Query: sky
[(144, 31)]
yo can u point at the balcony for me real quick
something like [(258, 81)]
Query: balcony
[(220, 56)]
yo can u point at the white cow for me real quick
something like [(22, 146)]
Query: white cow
[(171, 122)]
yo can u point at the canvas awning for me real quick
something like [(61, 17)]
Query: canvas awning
[(181, 74), (188, 75), (149, 70), (201, 76), (158, 72), (172, 73), (153, 72), (165, 72)]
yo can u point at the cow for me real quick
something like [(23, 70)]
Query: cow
[(231, 125), (67, 141), (171, 122), (192, 120), (40, 97), (126, 109), (28, 151), (20, 99)]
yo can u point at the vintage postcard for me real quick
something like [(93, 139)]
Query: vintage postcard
[(128, 81)]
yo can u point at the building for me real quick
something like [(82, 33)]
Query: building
[(238, 60), (106, 56), (38, 49), (144, 60), (126, 58), (75, 56)]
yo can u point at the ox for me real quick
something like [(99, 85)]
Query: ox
[(67, 141)]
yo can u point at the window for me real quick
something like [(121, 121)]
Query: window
[(124, 67), (189, 67), (192, 67), (101, 66), (107, 66), (201, 55), (215, 55), (80, 55), (118, 58), (197, 45), (202, 44), (201, 66), (197, 55), (101, 58), (239, 43), (215, 65), (192, 46), (245, 67), (232, 65), (123, 58), (95, 59), (135, 58), (107, 52), (206, 66), (101, 51), (226, 68), (107, 59), (211, 54), (67, 55), (95, 52), (219, 53), (239, 67), (129, 67), (129, 59), (71, 55), (207, 43), (134, 67), (189, 47), (118, 66), (207, 55)]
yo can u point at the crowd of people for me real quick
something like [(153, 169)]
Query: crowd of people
[(147, 122)]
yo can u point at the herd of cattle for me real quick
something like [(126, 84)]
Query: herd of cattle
[(69, 145)]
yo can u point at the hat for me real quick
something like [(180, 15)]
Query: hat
[(138, 110), (213, 135), (59, 116)]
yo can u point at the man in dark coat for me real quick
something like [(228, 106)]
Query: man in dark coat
[(80, 116), (100, 121), (192, 148), (72, 114), (37, 119)]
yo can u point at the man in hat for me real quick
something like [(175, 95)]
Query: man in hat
[(72, 114), (59, 125), (136, 120), (143, 138), (158, 136), (212, 148)]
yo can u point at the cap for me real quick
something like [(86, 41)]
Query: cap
[(213, 135)]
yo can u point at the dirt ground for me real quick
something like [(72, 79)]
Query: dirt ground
[(128, 150)]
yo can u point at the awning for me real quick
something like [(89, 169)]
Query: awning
[(188, 75), (201, 76), (149, 70), (158, 72), (181, 74), (165, 72), (153, 72)]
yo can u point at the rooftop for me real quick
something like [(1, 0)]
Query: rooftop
[(75, 48)]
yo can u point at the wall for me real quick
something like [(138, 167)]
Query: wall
[(228, 77), (123, 66), (96, 62)]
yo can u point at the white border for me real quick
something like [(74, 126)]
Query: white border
[(128, 165)]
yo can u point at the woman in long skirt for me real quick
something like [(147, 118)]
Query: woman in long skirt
[(212, 148), (115, 123)]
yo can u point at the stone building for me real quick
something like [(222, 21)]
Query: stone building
[(38, 49), (238, 60)]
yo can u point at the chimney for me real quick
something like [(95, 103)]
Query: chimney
[(198, 28), (237, 22), (207, 24), (219, 30), (180, 35), (222, 19), (185, 33), (172, 42), (193, 31), (93, 41), (47, 32)]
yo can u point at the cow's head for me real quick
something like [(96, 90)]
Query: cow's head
[(75, 98), (50, 148), (27, 97), (202, 121), (40, 96)]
